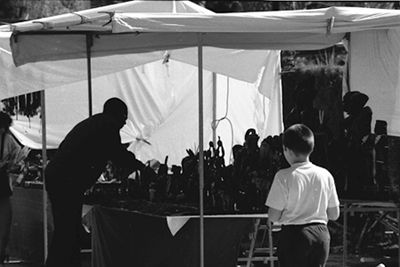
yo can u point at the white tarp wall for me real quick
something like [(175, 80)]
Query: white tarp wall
[(375, 71), (163, 103), (240, 64)]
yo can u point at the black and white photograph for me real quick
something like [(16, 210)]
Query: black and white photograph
[(192, 133)]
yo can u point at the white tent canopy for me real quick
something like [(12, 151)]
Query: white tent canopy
[(50, 74), (303, 29), (346, 19)]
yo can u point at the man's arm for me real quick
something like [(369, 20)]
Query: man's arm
[(120, 155), (274, 215), (127, 160), (333, 213)]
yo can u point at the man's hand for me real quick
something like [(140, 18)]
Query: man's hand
[(3, 163)]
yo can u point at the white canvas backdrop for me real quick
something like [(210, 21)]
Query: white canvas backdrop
[(163, 103), (375, 71)]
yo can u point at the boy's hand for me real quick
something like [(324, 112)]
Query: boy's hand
[(333, 213)]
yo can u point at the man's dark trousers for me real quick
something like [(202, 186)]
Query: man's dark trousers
[(66, 206)]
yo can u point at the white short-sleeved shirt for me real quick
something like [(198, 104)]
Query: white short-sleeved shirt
[(303, 192)]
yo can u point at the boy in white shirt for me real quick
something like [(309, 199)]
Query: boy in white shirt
[(302, 199)]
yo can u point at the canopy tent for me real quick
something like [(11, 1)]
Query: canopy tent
[(45, 75), (374, 47), (290, 30), (159, 99), (293, 30)]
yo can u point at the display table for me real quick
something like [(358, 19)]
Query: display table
[(27, 227), (121, 236), (352, 206)]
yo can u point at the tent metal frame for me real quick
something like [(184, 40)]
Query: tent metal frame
[(201, 145), (44, 163), (89, 44)]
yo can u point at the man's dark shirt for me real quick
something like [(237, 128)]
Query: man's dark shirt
[(84, 152)]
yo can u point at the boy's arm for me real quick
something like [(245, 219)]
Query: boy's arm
[(333, 213), (277, 199), (274, 215)]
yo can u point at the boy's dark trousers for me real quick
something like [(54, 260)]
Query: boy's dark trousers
[(303, 245)]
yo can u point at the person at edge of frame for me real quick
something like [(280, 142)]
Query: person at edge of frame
[(9, 148)]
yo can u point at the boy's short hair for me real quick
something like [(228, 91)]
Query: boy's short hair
[(299, 138)]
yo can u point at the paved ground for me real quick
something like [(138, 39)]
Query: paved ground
[(357, 261), (335, 260), (86, 262)]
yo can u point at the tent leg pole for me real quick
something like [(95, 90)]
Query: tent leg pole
[(201, 146), (214, 103), (398, 228), (44, 163), (344, 234), (89, 44)]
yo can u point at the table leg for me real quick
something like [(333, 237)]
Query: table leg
[(253, 243), (271, 244), (398, 225), (344, 235)]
